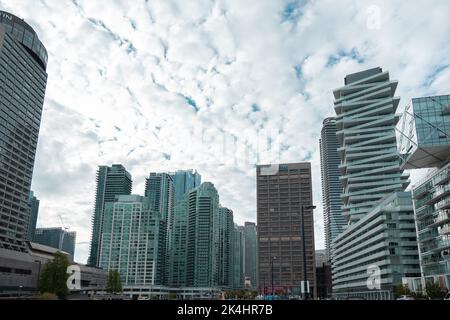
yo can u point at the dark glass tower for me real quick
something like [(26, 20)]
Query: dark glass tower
[(23, 78), (111, 182), (334, 221), (34, 207)]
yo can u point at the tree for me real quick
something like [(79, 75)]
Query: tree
[(114, 284), (434, 291), (402, 290), (53, 278)]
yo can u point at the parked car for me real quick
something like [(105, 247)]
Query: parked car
[(405, 298)]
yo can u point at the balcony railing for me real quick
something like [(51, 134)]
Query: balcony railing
[(444, 230), (443, 204), (441, 190)]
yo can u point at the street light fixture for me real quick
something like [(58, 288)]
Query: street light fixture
[(305, 278)]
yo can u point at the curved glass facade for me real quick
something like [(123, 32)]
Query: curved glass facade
[(23, 33)]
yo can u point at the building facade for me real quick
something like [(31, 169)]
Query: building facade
[(282, 191), (334, 221), (34, 208), (23, 79), (238, 257), (111, 182), (159, 189), (203, 237), (57, 238), (250, 258), (184, 181), (424, 142), (366, 120), (132, 241), (226, 248), (373, 256), (379, 243), (178, 245)]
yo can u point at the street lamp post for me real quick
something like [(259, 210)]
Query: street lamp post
[(305, 278)]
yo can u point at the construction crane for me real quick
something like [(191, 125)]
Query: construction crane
[(62, 223), (66, 229)]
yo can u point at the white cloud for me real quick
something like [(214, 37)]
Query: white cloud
[(132, 81)]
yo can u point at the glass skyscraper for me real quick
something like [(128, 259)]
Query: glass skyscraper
[(34, 207), (184, 181), (334, 221), (238, 256), (159, 189), (111, 182), (226, 247), (23, 78), (203, 236), (250, 261)]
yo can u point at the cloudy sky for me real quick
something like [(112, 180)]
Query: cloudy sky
[(160, 85)]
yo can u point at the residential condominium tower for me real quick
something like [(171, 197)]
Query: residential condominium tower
[(250, 257), (366, 120), (132, 242), (334, 221), (111, 182), (285, 254), (238, 257), (23, 78), (159, 189), (379, 245), (203, 240), (424, 142)]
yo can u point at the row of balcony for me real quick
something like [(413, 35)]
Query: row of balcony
[(440, 217)]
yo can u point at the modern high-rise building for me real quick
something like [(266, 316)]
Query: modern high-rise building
[(57, 238), (178, 245), (111, 182), (132, 242), (226, 247), (34, 207), (203, 236), (424, 142), (238, 257), (378, 249), (184, 181), (366, 120), (23, 78), (159, 189), (373, 256), (334, 221), (250, 258), (283, 192)]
